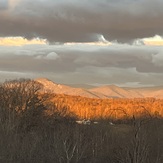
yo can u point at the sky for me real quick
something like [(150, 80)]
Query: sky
[(95, 42)]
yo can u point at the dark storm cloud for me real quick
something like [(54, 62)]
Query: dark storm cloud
[(83, 21)]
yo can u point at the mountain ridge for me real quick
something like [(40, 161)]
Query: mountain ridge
[(106, 91)]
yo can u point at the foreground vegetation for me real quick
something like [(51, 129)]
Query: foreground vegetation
[(29, 134)]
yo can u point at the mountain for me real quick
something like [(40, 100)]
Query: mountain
[(84, 86), (112, 91), (155, 92), (52, 87), (109, 91), (118, 92)]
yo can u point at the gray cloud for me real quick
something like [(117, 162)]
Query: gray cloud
[(114, 64), (144, 59), (83, 21), (3, 4)]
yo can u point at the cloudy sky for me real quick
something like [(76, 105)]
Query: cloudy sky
[(96, 42)]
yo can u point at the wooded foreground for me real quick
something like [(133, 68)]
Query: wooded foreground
[(33, 129)]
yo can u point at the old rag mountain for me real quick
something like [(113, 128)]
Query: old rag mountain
[(108, 91)]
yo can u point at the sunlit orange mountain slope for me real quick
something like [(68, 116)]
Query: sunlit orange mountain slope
[(109, 91)]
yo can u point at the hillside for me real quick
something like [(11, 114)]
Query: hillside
[(103, 102), (115, 108), (113, 91), (52, 87), (109, 91)]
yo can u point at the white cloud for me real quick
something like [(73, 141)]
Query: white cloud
[(20, 41), (154, 41), (52, 56), (150, 41)]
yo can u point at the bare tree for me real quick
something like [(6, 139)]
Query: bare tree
[(137, 148), (22, 98)]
